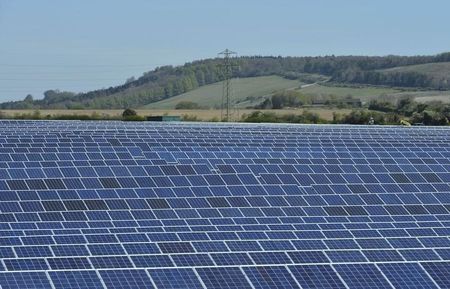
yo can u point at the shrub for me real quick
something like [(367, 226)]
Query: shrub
[(189, 117), (71, 117), (258, 116), (381, 105), (187, 105), (360, 117), (428, 117), (261, 117), (406, 106), (129, 112), (133, 118)]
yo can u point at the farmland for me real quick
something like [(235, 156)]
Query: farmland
[(367, 93), (246, 91), (438, 97), (433, 69), (363, 93)]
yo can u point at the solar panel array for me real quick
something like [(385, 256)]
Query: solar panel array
[(145, 205)]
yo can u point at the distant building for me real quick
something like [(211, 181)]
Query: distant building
[(354, 102), (164, 118)]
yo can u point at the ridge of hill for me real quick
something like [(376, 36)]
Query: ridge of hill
[(168, 81)]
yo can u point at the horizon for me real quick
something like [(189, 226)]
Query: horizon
[(200, 59), (91, 45)]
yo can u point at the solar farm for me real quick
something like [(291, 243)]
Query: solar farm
[(190, 205)]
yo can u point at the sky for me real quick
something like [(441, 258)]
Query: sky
[(90, 44)]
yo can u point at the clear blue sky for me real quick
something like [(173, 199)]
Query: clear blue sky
[(88, 44)]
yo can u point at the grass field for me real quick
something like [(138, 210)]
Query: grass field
[(433, 69), (439, 96), (370, 92), (243, 88), (363, 93), (203, 115)]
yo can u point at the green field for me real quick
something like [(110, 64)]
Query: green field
[(441, 70), (363, 93), (371, 92), (437, 74), (243, 88), (427, 96)]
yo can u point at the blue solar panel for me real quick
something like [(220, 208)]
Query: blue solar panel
[(75, 280), (362, 276), (406, 275), (223, 278), (316, 276), (440, 272), (25, 280), (271, 277), (134, 205), (126, 279)]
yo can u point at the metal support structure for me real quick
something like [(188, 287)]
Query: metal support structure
[(227, 93)]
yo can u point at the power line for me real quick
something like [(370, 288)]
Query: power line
[(61, 79), (52, 73), (77, 65)]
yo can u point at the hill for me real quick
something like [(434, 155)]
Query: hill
[(168, 81), (246, 91)]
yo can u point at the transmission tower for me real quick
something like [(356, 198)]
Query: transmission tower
[(227, 95)]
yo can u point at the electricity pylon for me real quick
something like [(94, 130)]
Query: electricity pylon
[(227, 93)]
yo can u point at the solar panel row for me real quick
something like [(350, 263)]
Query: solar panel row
[(397, 275)]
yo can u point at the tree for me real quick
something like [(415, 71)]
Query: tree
[(200, 76), (168, 90), (380, 105), (131, 79), (277, 101), (428, 117), (28, 98), (406, 106), (129, 112)]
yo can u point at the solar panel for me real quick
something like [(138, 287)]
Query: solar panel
[(180, 205), (126, 279), (406, 275), (19, 280), (362, 276), (316, 276), (271, 277), (75, 280), (175, 278), (225, 277)]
